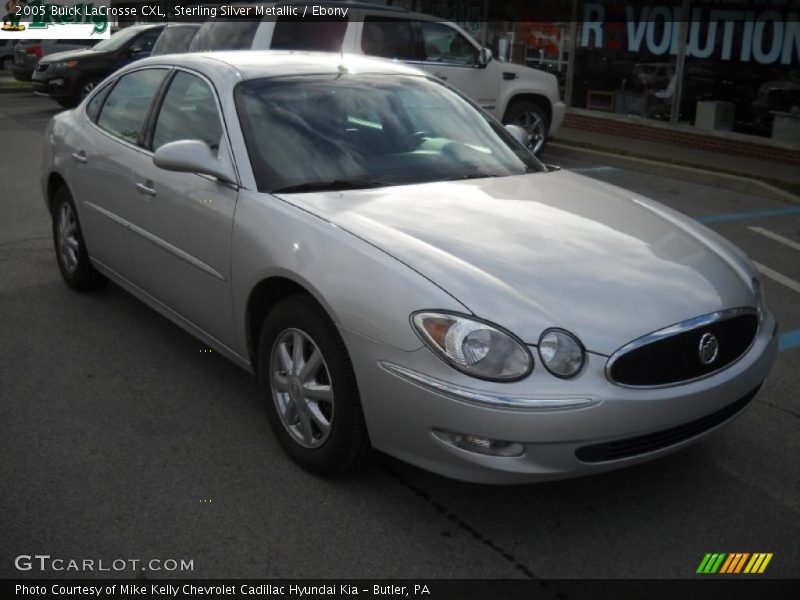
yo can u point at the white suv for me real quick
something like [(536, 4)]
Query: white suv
[(513, 93)]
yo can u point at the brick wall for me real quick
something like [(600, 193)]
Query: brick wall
[(677, 137)]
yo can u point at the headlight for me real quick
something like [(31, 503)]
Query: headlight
[(64, 64), (474, 347), (561, 353), (758, 292)]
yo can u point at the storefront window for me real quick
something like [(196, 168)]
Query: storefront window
[(740, 71)]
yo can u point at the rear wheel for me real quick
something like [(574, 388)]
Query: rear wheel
[(533, 118), (71, 255), (309, 387)]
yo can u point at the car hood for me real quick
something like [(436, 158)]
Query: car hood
[(552, 249), (72, 55)]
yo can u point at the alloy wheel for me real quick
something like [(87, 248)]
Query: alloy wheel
[(301, 388), (67, 238), (534, 124), (87, 88)]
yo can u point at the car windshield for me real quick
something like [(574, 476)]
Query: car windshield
[(311, 133), (118, 40)]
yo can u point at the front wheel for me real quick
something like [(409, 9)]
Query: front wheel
[(533, 118), (308, 385), (71, 255)]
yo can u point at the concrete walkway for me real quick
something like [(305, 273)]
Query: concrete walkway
[(771, 171)]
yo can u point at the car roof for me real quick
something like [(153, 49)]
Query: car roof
[(256, 64)]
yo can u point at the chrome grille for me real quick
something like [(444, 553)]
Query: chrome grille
[(672, 355)]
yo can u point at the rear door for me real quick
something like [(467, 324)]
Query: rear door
[(187, 218), (101, 166)]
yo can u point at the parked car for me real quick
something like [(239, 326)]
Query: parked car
[(513, 93), (399, 270), (28, 52), (175, 38), (67, 77), (6, 54)]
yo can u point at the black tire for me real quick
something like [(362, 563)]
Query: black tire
[(522, 112), (79, 275), (347, 442), (85, 88), (68, 102), (5, 63)]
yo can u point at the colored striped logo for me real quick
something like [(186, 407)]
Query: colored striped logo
[(736, 562)]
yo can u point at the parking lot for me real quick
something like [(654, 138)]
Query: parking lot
[(121, 439)]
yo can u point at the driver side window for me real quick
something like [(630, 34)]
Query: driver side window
[(189, 112), (443, 44)]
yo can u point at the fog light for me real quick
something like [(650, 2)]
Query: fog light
[(57, 82), (478, 444)]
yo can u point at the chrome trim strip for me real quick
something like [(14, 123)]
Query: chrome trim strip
[(682, 327), (163, 244), (471, 396)]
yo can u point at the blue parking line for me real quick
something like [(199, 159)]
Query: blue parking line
[(753, 214), (789, 340)]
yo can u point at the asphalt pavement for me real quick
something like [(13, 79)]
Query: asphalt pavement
[(120, 439)]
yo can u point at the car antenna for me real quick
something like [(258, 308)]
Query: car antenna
[(342, 68)]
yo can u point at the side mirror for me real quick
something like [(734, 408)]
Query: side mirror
[(485, 57), (193, 156), (519, 134)]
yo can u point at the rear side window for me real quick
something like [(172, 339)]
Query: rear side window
[(225, 35), (125, 109), (390, 38), (189, 112), (94, 105), (308, 34), (174, 39)]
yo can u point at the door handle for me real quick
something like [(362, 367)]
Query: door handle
[(80, 157), (146, 189)]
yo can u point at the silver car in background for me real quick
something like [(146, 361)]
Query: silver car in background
[(399, 271)]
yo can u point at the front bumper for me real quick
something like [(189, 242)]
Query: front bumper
[(588, 411), (557, 118), (53, 84)]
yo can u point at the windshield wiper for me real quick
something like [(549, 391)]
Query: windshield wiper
[(333, 184), (472, 176)]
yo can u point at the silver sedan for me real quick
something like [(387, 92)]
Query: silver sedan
[(399, 272)]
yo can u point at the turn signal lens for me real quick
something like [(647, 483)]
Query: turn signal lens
[(474, 347)]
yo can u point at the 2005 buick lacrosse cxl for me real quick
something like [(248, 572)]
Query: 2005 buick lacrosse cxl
[(399, 271)]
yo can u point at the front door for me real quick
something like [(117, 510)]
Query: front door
[(186, 217)]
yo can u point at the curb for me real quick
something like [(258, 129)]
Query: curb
[(736, 183)]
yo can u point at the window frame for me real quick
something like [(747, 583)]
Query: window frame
[(159, 103), (148, 114)]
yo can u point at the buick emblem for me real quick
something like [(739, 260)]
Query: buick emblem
[(708, 348)]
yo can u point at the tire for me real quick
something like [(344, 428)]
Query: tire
[(5, 63), (69, 102), (533, 118), (85, 87), (71, 255), (299, 420)]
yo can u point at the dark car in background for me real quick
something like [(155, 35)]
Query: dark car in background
[(6, 54), (175, 38), (27, 53), (67, 77)]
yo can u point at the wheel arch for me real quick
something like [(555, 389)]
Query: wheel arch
[(263, 297), (540, 99), (55, 181)]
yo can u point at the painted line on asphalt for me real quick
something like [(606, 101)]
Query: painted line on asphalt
[(593, 169), (778, 277), (753, 214), (777, 237), (789, 340)]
